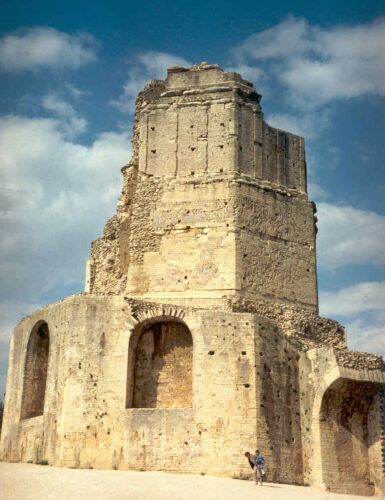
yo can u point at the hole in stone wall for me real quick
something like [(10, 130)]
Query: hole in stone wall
[(153, 151), (35, 372), (211, 353)]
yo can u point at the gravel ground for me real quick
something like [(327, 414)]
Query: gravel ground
[(38, 482)]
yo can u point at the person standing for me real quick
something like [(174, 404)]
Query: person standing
[(259, 467)]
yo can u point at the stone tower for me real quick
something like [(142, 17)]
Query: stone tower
[(198, 336), (214, 205)]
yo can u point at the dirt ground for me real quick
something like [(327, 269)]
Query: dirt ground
[(38, 482)]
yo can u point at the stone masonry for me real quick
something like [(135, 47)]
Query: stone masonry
[(198, 335)]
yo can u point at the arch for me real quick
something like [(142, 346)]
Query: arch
[(349, 436), (35, 371), (160, 358)]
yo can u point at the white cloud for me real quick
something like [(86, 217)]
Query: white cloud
[(362, 306), (348, 235), (318, 64), (367, 337), (290, 38), (11, 312), (307, 125), (316, 191), (44, 47), (75, 92), (145, 67), (71, 123), (156, 63), (355, 299), (251, 73), (288, 122), (56, 196)]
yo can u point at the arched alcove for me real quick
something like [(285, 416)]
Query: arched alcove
[(350, 436), (159, 371), (35, 371)]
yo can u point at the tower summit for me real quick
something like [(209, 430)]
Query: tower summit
[(198, 336), (214, 205)]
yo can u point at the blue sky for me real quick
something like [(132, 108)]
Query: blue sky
[(69, 72)]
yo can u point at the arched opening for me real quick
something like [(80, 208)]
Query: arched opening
[(160, 366), (350, 433), (35, 371)]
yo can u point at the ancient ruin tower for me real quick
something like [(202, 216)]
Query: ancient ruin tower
[(214, 206), (198, 336)]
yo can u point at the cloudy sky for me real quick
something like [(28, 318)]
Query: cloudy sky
[(69, 73)]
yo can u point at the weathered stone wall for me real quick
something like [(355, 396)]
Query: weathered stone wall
[(376, 442), (177, 249), (86, 422), (252, 387), (275, 246), (195, 240), (244, 391), (212, 193), (278, 406), (305, 328), (207, 120)]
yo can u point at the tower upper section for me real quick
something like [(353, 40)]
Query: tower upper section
[(205, 120), (214, 208)]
